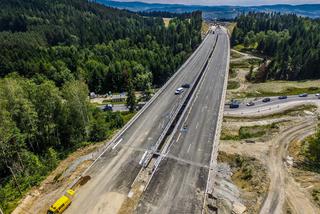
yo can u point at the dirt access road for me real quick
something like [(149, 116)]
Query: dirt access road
[(282, 187), (284, 192)]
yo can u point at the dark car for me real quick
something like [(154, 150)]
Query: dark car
[(282, 97), (107, 107), (186, 85), (303, 95), (267, 99), (234, 104)]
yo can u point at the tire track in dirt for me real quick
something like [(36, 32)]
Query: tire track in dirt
[(280, 189)]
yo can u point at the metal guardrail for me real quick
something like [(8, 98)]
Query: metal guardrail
[(217, 132)]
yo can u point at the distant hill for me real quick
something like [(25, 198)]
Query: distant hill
[(217, 12)]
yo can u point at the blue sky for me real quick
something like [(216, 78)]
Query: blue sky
[(229, 2)]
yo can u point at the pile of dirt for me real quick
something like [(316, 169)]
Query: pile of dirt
[(250, 176)]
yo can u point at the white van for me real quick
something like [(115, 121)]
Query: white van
[(179, 91)]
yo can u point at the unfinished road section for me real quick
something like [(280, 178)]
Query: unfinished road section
[(113, 173), (180, 183)]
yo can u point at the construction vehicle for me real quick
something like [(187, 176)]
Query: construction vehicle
[(62, 203)]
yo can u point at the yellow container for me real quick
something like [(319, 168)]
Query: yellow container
[(62, 203)]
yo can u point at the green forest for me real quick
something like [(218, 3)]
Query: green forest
[(291, 43), (52, 54)]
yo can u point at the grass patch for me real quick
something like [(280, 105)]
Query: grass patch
[(239, 47), (235, 55), (287, 91), (231, 26), (240, 64), (126, 116), (277, 88), (249, 132), (112, 102), (232, 73), (288, 112), (204, 27), (233, 84)]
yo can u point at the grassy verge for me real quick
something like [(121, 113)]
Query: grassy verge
[(287, 91), (115, 103), (235, 55), (246, 63), (249, 132), (231, 26), (204, 27), (289, 112), (232, 73), (233, 84)]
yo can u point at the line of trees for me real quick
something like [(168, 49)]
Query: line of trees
[(52, 53), (291, 42)]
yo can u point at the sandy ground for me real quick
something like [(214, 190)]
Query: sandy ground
[(104, 203), (273, 153)]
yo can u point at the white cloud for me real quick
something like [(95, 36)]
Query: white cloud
[(229, 2)]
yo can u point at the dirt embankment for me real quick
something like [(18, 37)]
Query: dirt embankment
[(250, 176), (39, 198), (262, 163), (285, 193)]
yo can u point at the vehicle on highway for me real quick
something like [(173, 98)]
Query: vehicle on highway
[(234, 104), (251, 103), (282, 97), (179, 91), (303, 95), (267, 99), (108, 107), (186, 85), (317, 95), (62, 203)]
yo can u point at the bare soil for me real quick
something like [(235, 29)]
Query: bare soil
[(39, 198), (286, 193)]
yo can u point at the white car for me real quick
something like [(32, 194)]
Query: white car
[(317, 95), (179, 91)]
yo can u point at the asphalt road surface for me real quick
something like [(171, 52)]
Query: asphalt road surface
[(179, 184), (275, 100), (274, 106), (115, 171)]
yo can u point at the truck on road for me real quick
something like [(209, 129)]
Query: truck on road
[(62, 203)]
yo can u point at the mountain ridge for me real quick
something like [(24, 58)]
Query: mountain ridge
[(216, 12)]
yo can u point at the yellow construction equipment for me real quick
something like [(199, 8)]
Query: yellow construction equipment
[(62, 203)]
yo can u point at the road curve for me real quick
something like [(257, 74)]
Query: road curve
[(179, 184), (115, 171)]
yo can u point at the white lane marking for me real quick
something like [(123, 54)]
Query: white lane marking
[(189, 148), (197, 125), (178, 137), (117, 144), (143, 156)]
